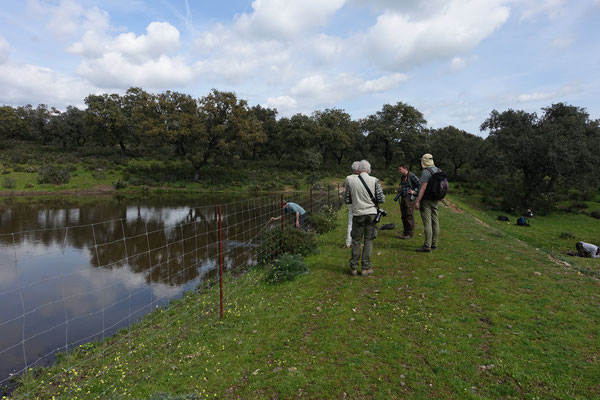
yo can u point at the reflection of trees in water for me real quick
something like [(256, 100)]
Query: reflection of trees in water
[(136, 235)]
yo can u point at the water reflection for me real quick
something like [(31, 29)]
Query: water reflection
[(74, 271)]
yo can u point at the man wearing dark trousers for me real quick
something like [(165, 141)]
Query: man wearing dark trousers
[(408, 190)]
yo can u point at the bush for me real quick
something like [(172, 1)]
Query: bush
[(54, 174), (99, 175), (119, 185), (27, 168), (322, 221), (294, 241), (298, 241), (595, 214), (9, 183), (575, 206), (286, 268)]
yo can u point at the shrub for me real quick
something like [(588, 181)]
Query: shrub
[(9, 183), (298, 241), (294, 241), (595, 214), (54, 174), (577, 206), (286, 268), (98, 175), (119, 185), (322, 221), (318, 186)]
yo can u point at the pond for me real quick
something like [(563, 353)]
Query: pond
[(77, 270)]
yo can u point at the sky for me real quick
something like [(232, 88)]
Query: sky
[(453, 60)]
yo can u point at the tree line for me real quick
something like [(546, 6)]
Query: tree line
[(528, 157)]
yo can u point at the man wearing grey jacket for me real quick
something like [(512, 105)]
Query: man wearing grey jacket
[(363, 215)]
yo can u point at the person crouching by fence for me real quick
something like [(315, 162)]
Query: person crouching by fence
[(348, 236), (299, 213), (360, 189)]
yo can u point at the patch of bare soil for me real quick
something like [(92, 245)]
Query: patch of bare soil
[(452, 206)]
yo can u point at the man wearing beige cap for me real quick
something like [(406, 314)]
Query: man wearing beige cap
[(428, 207)]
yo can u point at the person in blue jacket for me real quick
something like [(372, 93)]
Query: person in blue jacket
[(289, 207)]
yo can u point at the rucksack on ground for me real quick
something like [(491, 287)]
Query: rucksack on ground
[(438, 185), (522, 221)]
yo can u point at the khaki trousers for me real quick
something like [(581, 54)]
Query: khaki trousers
[(431, 224)]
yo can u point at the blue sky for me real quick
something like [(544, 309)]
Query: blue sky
[(454, 60)]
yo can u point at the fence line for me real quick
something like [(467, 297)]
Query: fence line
[(181, 256)]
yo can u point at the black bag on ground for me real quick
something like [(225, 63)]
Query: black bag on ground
[(503, 218), (438, 185), (385, 227)]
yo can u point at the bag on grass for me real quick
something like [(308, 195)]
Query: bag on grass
[(522, 221)]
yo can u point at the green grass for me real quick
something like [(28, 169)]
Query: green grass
[(546, 232), (484, 316)]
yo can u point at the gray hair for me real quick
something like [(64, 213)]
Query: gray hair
[(364, 166), (355, 166)]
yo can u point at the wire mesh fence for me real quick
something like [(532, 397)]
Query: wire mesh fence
[(100, 284)]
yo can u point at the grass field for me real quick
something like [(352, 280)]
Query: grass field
[(487, 315)]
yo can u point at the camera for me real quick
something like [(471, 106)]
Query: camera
[(397, 197), (380, 213)]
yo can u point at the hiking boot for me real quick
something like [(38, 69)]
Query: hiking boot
[(424, 249), (353, 272), (433, 248), (406, 237), (366, 272)]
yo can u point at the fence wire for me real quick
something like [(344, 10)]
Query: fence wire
[(58, 311)]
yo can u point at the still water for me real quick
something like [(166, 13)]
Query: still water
[(72, 271)]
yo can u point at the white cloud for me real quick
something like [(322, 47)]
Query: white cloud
[(162, 38), (533, 8), (285, 105), (382, 84), (562, 42), (69, 18), (239, 60), (535, 96), (130, 60), (398, 41), (4, 50), (547, 95), (22, 82), (326, 90), (115, 70), (286, 18), (458, 63)]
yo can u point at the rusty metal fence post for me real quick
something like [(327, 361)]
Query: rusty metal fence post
[(220, 264), (282, 224)]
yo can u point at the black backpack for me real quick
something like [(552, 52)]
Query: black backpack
[(438, 185)]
